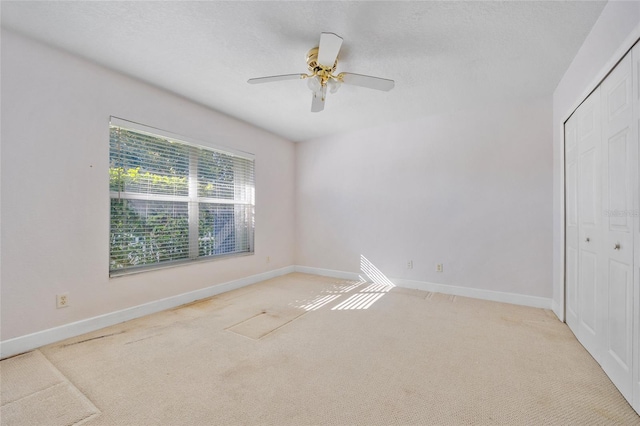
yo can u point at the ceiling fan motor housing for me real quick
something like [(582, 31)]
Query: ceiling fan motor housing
[(314, 66)]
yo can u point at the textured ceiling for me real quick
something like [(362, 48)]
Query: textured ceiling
[(443, 56)]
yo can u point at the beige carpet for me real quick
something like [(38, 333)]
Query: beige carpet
[(303, 349), (34, 392)]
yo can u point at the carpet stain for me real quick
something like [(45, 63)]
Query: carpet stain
[(206, 305), (93, 338), (139, 340)]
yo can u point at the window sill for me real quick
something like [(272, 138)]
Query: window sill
[(174, 264)]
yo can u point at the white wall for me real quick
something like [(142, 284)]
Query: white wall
[(55, 200), (610, 37), (471, 190)]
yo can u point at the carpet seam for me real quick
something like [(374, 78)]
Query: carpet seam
[(71, 383), (279, 327), (245, 320), (73, 387), (34, 393), (89, 417), (264, 335)]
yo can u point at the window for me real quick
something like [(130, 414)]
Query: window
[(173, 201)]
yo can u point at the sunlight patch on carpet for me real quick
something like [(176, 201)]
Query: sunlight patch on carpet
[(319, 302), (358, 301)]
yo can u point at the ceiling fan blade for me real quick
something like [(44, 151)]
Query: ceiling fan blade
[(276, 78), (317, 103), (328, 49), (376, 83)]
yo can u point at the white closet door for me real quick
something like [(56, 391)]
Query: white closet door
[(589, 139), (571, 221), (618, 149), (602, 205)]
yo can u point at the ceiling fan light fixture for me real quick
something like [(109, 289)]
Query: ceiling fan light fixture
[(334, 85), (314, 84)]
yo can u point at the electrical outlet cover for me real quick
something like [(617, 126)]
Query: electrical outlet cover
[(62, 300)]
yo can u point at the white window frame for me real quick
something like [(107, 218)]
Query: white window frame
[(192, 199)]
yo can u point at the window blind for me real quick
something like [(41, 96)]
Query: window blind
[(175, 201)]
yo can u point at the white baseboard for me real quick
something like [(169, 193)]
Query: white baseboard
[(496, 296), (555, 307), (32, 341), (328, 272), (476, 293)]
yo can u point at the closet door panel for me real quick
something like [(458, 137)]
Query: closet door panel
[(588, 291), (589, 218), (619, 323), (618, 251)]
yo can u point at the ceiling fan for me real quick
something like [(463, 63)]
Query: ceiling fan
[(322, 62)]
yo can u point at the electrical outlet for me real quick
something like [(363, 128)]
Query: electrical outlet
[(62, 300), (409, 264), (439, 267)]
